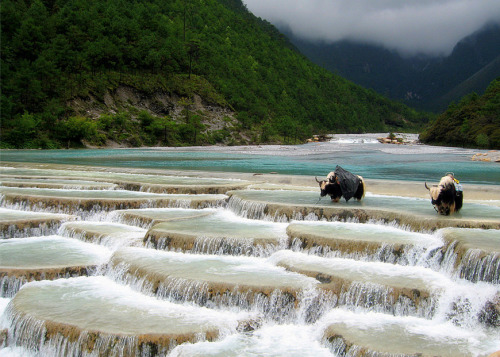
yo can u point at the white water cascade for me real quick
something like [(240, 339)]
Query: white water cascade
[(96, 263)]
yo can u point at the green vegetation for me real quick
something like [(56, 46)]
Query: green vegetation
[(55, 53), (474, 122)]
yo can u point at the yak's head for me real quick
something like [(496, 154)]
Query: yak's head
[(330, 187), (322, 186)]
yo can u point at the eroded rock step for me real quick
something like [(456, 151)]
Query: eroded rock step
[(96, 315), (415, 213), (473, 253), (135, 182), (55, 183), (50, 257), (375, 241), (85, 201), (147, 217), (219, 233), (376, 286), (18, 224), (374, 334), (246, 282), (112, 235)]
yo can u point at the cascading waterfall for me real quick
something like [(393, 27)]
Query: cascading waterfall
[(351, 275), (275, 304), (387, 253), (10, 285), (473, 265), (21, 223), (111, 235), (43, 230), (32, 334), (248, 209), (233, 246), (76, 203), (476, 266), (372, 297)]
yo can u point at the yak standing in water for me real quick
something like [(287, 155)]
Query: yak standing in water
[(342, 183), (446, 197)]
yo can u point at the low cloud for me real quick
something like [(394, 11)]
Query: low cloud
[(431, 27)]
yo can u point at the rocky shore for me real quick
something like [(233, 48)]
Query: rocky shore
[(399, 139), (490, 156)]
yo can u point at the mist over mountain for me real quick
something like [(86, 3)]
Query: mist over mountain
[(429, 27), (424, 82)]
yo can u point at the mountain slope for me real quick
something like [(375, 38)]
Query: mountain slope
[(57, 52), (473, 84), (473, 122), (422, 82)]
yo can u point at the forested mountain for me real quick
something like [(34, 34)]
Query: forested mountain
[(429, 83), (473, 122), (168, 72)]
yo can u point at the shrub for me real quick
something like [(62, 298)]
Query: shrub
[(482, 140)]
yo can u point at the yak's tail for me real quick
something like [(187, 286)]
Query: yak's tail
[(360, 193)]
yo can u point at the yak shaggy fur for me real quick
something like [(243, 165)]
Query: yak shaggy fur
[(445, 197), (332, 187)]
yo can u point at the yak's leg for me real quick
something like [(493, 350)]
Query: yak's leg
[(459, 199)]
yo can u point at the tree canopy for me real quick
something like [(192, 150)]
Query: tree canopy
[(53, 51), (473, 122)]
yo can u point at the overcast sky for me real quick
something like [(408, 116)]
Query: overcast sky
[(408, 26)]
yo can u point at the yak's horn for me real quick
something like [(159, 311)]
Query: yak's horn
[(427, 187)]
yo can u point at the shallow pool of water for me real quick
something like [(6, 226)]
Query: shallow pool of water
[(364, 157)]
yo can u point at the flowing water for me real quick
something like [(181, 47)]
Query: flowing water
[(109, 259), (361, 154)]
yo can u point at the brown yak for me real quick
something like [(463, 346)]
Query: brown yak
[(446, 197)]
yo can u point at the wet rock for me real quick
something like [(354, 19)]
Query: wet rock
[(490, 315), (250, 325), (490, 156), (3, 337)]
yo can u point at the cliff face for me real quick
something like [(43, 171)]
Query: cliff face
[(158, 103), (165, 109)]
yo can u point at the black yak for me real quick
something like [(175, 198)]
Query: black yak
[(342, 183), (446, 197)]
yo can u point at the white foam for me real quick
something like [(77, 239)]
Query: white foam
[(268, 341)]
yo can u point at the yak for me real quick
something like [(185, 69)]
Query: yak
[(342, 183), (446, 197)]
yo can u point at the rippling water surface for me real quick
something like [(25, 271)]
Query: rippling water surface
[(358, 153)]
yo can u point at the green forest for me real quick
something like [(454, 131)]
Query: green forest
[(473, 122), (57, 52)]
